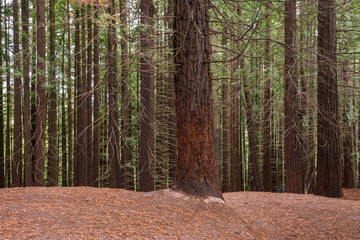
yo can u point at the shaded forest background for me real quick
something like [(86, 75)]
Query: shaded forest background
[(87, 95)]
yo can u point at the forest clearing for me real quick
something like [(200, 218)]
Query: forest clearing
[(93, 213)]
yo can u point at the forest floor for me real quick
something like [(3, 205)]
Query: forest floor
[(92, 213)]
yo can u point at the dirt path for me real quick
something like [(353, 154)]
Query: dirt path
[(90, 213)]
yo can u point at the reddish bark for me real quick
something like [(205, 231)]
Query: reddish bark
[(196, 163)]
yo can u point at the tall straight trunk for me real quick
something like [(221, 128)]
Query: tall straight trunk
[(53, 159), (78, 93), (225, 126), (266, 129), (8, 102), (26, 86), (17, 153), (125, 101), (196, 171), (253, 132), (147, 97), (171, 102), (2, 163), (114, 134), (90, 170), (83, 105), (33, 95), (294, 179), (97, 119), (63, 124), (69, 107), (41, 96), (235, 164), (328, 179), (347, 142)]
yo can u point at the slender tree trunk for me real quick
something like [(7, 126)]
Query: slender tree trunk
[(53, 159), (114, 135), (328, 178), (17, 158), (69, 107), (26, 86), (33, 96), (2, 162), (64, 178), (83, 105), (347, 143), (8, 102), (97, 119), (294, 179), (125, 101), (147, 97), (41, 96), (171, 103), (266, 129), (78, 92), (88, 95), (253, 131), (196, 164)]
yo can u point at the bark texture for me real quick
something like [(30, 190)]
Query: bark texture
[(328, 179), (196, 163), (294, 179)]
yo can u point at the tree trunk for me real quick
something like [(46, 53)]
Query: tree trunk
[(114, 147), (266, 139), (196, 164), (147, 97), (253, 132), (125, 101), (294, 179), (69, 108), (2, 165), (41, 96), (347, 143), (17, 158), (27, 103), (53, 159), (328, 177), (88, 95), (97, 119), (83, 104)]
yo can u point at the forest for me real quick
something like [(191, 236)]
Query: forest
[(142, 95)]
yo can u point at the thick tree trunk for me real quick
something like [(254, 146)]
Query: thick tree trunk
[(328, 179), (294, 179), (41, 96), (147, 97), (196, 164), (27, 103), (53, 158)]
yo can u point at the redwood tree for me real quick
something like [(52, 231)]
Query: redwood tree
[(294, 180), (147, 97), (196, 171), (328, 179), (17, 154), (41, 96)]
